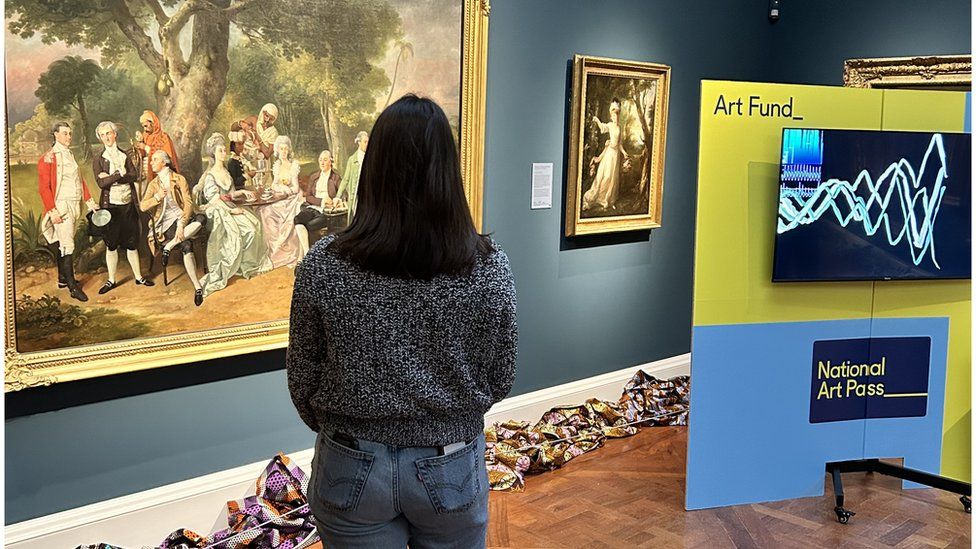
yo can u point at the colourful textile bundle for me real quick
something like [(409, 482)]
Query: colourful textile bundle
[(277, 516), (258, 521), (514, 449), (280, 490)]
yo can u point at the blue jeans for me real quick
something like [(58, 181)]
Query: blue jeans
[(382, 496)]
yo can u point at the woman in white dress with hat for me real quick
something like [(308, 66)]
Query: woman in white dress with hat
[(606, 182)]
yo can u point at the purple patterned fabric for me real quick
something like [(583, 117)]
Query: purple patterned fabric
[(279, 500)]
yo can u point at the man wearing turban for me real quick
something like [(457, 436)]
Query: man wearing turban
[(260, 133), (267, 133), (155, 139)]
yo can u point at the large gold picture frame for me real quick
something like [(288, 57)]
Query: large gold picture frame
[(615, 173), (934, 72), (41, 368)]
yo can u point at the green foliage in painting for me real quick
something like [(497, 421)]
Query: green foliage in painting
[(68, 85), (316, 60), (46, 322), (26, 225), (47, 312)]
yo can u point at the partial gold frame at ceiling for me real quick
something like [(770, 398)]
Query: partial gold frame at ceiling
[(923, 72)]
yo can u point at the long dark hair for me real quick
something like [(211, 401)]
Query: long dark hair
[(412, 219)]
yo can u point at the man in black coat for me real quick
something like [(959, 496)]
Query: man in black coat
[(321, 191), (116, 176)]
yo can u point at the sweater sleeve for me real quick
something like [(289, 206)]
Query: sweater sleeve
[(502, 377), (305, 357)]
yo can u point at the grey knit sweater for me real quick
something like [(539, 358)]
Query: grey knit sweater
[(397, 361)]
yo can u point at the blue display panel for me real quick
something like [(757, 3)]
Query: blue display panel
[(872, 205), (750, 437)]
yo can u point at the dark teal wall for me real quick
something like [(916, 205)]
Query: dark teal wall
[(586, 306), (814, 38)]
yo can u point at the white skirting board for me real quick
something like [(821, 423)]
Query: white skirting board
[(199, 504)]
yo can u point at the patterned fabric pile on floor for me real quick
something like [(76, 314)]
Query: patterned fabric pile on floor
[(515, 449), (279, 501)]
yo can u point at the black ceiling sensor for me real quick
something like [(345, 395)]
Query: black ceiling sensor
[(773, 11)]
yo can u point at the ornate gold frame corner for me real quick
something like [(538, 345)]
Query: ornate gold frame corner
[(931, 71), (582, 66), (42, 368)]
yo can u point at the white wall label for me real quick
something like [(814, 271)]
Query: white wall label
[(541, 186)]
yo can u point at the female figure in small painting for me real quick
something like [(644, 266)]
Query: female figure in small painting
[(606, 183), (236, 246), (278, 218)]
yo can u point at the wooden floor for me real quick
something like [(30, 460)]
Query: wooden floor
[(631, 494)]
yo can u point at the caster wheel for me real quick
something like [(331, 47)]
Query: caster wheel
[(967, 503), (843, 515)]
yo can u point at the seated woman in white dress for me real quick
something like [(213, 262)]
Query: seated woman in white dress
[(236, 246), (278, 218)]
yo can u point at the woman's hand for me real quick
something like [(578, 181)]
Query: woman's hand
[(242, 195), (236, 211)]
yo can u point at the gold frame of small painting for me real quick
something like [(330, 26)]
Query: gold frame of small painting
[(615, 173), (45, 367)]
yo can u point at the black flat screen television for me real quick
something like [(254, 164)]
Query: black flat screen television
[(873, 205)]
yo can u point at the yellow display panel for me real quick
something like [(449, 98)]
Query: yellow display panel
[(732, 287), (733, 259)]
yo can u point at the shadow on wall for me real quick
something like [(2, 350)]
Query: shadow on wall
[(99, 389)]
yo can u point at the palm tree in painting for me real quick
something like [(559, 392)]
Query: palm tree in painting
[(406, 51)]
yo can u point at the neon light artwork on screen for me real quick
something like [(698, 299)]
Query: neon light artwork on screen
[(870, 205)]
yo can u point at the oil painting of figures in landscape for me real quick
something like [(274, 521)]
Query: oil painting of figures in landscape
[(171, 162)]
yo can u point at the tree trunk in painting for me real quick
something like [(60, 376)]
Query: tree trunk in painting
[(335, 140), (85, 127), (198, 86), (644, 100), (330, 126)]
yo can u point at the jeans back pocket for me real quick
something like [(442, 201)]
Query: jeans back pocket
[(454, 482), (340, 474)]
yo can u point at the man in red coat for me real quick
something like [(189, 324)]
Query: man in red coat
[(62, 190)]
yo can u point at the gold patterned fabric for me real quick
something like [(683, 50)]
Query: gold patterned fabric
[(515, 449)]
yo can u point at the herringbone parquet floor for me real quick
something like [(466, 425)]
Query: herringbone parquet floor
[(630, 493)]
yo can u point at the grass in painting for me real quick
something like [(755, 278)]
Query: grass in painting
[(47, 323)]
